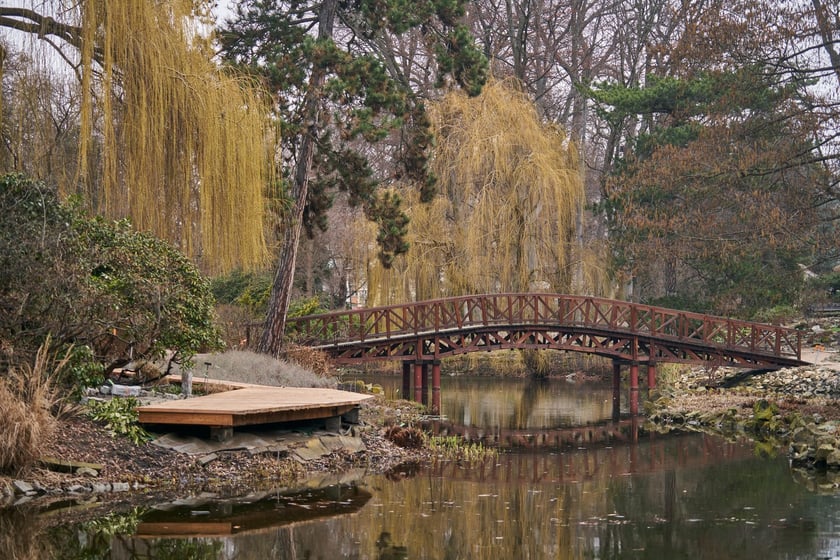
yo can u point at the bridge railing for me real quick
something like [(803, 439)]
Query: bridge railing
[(551, 310)]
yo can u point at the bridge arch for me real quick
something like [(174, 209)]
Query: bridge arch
[(420, 334), (620, 330)]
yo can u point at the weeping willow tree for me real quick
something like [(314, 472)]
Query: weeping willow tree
[(166, 137), (510, 197)]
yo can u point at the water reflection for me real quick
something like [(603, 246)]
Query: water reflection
[(210, 517), (678, 497), (511, 403), (653, 496)]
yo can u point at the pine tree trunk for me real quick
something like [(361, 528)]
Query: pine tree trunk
[(271, 341)]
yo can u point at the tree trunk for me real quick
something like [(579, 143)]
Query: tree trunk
[(271, 341), (826, 30)]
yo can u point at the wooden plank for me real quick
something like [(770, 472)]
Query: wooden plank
[(66, 465), (252, 405), (184, 418)]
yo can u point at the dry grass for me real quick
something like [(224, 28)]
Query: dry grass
[(27, 399), (250, 367)]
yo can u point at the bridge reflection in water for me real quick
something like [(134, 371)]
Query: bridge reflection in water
[(523, 504), (420, 334)]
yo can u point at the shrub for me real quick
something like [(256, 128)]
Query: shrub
[(309, 358), (120, 416), (249, 290), (406, 437), (92, 283)]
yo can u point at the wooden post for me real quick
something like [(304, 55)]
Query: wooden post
[(436, 387), (406, 381), (186, 383), (616, 404), (651, 369), (634, 389), (418, 381), (424, 397)]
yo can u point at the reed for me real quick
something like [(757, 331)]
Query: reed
[(28, 399)]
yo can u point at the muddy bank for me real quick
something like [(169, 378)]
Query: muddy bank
[(179, 464)]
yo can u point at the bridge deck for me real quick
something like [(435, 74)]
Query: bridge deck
[(253, 405), (623, 331)]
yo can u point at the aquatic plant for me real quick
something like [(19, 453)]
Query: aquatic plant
[(454, 448)]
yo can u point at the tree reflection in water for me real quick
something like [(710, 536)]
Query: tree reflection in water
[(692, 496)]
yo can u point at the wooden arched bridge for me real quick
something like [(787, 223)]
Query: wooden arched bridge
[(420, 334)]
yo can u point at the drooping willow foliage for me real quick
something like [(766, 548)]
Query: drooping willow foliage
[(167, 137), (511, 195)]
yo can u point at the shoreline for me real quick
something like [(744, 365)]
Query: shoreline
[(791, 410), (146, 470), (794, 410)]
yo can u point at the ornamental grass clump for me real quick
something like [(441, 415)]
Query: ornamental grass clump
[(27, 399), (453, 448), (245, 366)]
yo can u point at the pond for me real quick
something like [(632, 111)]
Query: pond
[(611, 491)]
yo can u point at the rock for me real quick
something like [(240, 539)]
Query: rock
[(125, 391), (87, 471), (833, 460), (23, 487), (822, 452), (799, 451), (802, 435), (209, 458)]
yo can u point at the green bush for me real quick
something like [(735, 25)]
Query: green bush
[(120, 417), (92, 283), (249, 290)]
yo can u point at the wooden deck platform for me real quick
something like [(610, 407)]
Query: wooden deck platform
[(252, 405)]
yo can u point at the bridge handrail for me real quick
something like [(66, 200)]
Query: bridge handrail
[(486, 310)]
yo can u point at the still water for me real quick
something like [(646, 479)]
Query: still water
[(605, 491)]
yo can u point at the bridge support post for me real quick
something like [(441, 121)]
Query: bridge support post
[(406, 381), (425, 385), (436, 387), (418, 381), (616, 400), (634, 389), (651, 377)]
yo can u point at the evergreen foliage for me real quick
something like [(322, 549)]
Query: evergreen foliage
[(714, 206), (93, 284), (367, 97)]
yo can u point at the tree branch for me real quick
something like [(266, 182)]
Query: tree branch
[(30, 21)]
